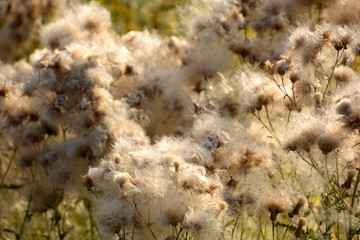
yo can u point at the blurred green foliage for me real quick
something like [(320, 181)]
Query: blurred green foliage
[(129, 15)]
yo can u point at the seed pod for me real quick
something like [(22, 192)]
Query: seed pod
[(223, 205), (177, 166), (302, 223), (350, 175), (88, 183), (294, 77), (117, 159), (301, 202)]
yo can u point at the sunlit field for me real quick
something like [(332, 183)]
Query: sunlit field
[(179, 120)]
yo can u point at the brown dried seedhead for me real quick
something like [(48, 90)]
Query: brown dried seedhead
[(88, 182), (245, 161)]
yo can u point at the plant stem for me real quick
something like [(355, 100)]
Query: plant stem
[(355, 189), (333, 68), (285, 92), (270, 131), (133, 233), (142, 218), (269, 120), (322, 175), (260, 226), (288, 224), (8, 168), (18, 237), (233, 231), (326, 167), (179, 233)]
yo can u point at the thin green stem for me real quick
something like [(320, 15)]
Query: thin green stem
[(304, 159), (288, 224), (233, 230), (270, 131), (310, 206), (286, 95), (355, 189), (242, 232), (322, 175), (333, 68), (179, 233), (326, 167), (260, 228), (293, 92), (269, 120)]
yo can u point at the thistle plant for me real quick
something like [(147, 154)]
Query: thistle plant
[(243, 124)]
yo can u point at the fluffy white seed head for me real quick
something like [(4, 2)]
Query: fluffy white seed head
[(122, 178)]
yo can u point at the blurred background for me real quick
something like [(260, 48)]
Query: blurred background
[(21, 20), (129, 15)]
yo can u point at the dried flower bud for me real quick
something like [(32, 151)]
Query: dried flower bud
[(129, 70), (262, 100), (301, 202), (289, 105), (302, 223), (88, 183), (294, 77), (117, 159), (318, 97), (275, 207), (268, 67), (195, 158), (223, 205), (338, 45), (346, 40), (177, 166), (4, 92), (350, 175), (326, 34), (283, 66), (202, 170)]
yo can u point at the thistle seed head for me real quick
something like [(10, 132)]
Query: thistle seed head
[(275, 207), (350, 175), (302, 223), (177, 166), (122, 178), (327, 142), (344, 107), (301, 203)]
